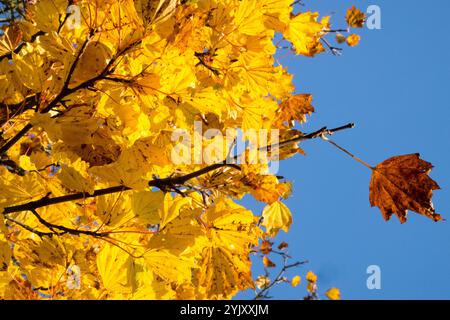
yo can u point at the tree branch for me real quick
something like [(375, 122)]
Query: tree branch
[(20, 46), (66, 230), (17, 108), (264, 293), (67, 91), (165, 184), (32, 230)]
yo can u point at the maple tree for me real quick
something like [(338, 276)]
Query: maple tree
[(92, 204)]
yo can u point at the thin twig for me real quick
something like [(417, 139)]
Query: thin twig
[(164, 184), (64, 230), (67, 91), (263, 294), (348, 153), (32, 230)]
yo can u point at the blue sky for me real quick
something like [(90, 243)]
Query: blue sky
[(396, 87)]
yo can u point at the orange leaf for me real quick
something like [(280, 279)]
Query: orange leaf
[(296, 108), (266, 247), (402, 183), (268, 263), (12, 38), (355, 18), (353, 40), (283, 245)]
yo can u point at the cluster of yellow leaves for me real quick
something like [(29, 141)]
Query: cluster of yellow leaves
[(106, 94)]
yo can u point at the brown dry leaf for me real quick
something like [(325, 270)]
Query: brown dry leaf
[(283, 245), (11, 39), (402, 183), (268, 263), (296, 108), (266, 247), (355, 18)]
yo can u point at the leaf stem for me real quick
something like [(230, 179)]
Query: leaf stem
[(348, 153)]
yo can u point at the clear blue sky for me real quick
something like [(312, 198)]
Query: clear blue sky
[(396, 87)]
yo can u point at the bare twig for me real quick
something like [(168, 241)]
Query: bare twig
[(264, 293)]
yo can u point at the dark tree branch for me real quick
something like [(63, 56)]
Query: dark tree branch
[(46, 201), (334, 50), (32, 230), (65, 230), (20, 46), (17, 108), (165, 184), (67, 91), (264, 293)]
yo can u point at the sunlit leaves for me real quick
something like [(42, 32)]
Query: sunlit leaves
[(168, 266), (75, 177), (111, 263), (225, 262), (304, 31), (104, 94), (20, 189), (12, 38), (247, 17), (154, 11), (46, 14), (91, 63), (42, 260)]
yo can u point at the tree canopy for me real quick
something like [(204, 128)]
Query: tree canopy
[(121, 154)]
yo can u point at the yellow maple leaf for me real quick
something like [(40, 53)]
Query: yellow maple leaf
[(168, 266), (225, 263), (295, 281), (231, 225), (295, 108), (276, 216), (152, 12), (112, 264), (146, 285), (91, 63), (353, 40), (75, 178), (114, 210), (248, 17), (311, 277), (222, 273), (304, 31), (333, 294), (10, 39), (276, 13)]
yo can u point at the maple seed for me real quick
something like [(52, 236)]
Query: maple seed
[(402, 183)]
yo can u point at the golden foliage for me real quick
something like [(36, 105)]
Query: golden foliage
[(99, 99)]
